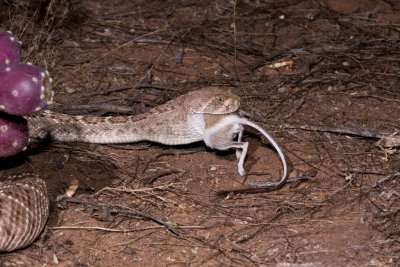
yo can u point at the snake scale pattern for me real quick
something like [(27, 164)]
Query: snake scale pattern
[(24, 209), (24, 204)]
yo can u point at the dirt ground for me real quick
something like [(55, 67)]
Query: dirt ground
[(321, 76)]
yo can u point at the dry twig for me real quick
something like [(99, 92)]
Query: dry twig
[(124, 211)]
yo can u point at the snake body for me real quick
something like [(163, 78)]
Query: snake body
[(208, 115), (177, 122), (24, 209), (24, 203)]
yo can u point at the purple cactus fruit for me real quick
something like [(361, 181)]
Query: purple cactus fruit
[(14, 134), (10, 49), (24, 88)]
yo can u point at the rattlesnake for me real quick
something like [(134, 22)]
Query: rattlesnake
[(208, 115), (24, 208), (179, 121), (24, 203)]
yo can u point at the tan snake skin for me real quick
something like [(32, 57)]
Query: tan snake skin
[(179, 121), (24, 203), (207, 115), (24, 208)]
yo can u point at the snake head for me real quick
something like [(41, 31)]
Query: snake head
[(213, 100), (222, 104)]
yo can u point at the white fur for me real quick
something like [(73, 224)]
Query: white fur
[(230, 121), (220, 136)]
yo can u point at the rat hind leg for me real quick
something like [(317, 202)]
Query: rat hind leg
[(239, 139), (239, 146)]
